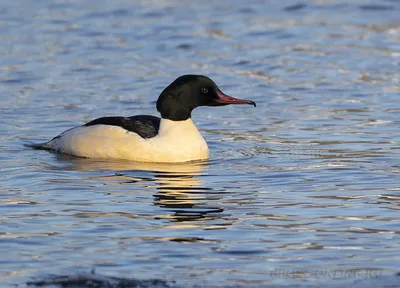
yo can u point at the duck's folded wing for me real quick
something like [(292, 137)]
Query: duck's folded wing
[(145, 126)]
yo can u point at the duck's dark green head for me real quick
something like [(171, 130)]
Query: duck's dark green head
[(187, 92)]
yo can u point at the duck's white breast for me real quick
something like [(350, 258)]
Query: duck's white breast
[(177, 141)]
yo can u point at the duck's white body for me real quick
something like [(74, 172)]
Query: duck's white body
[(177, 141)]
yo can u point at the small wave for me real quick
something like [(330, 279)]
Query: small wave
[(93, 280)]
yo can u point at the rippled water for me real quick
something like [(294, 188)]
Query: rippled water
[(298, 190)]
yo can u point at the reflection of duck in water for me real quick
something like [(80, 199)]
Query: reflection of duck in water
[(183, 194), (173, 138), (178, 187)]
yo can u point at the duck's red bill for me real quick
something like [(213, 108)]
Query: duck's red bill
[(225, 99)]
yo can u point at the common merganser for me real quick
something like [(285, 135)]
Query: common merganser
[(173, 138)]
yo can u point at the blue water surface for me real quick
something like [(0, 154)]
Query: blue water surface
[(301, 190)]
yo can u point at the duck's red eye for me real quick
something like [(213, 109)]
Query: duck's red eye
[(204, 90)]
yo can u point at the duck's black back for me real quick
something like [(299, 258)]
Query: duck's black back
[(145, 126)]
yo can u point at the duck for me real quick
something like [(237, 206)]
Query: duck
[(171, 138)]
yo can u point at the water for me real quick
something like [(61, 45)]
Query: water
[(301, 190)]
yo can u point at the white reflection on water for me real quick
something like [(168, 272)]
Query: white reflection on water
[(179, 191)]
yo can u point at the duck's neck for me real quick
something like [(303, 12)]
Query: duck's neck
[(179, 129)]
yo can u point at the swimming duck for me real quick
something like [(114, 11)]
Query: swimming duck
[(171, 138)]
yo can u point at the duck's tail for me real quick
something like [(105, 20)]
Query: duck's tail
[(39, 146)]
